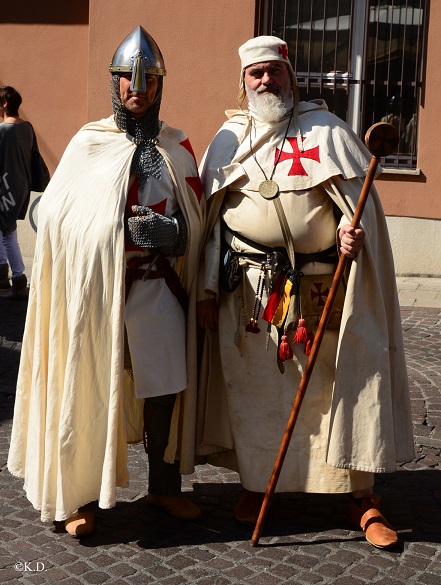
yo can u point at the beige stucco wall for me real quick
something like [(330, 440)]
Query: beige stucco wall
[(44, 48), (415, 244), (199, 42)]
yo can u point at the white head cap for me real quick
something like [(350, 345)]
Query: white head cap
[(263, 49)]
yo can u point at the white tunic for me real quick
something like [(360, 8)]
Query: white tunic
[(155, 321)]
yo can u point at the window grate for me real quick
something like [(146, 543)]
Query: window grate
[(365, 58)]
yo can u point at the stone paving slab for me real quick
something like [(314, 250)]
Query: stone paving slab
[(422, 283), (419, 292), (307, 538)]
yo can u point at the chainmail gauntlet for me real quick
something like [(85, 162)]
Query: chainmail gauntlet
[(149, 229)]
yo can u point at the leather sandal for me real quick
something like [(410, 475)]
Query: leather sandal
[(376, 528), (177, 506), (80, 524), (248, 507)]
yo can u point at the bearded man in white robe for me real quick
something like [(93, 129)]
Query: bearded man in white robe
[(111, 319), (282, 182)]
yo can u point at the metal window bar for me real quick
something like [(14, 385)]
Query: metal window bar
[(297, 34), (351, 28), (377, 36), (308, 79), (332, 78), (322, 53), (401, 128), (337, 28)]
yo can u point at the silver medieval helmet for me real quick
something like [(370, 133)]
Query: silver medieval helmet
[(140, 55)]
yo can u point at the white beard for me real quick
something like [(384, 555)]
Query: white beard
[(268, 107)]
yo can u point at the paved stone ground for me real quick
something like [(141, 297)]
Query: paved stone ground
[(307, 538)]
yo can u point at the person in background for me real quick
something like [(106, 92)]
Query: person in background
[(17, 139)]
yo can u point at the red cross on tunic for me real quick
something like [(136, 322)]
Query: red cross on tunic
[(194, 182), (283, 50), (133, 199), (297, 167), (320, 295)]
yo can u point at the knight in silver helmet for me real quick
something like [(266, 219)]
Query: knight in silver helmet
[(118, 246), (139, 59)]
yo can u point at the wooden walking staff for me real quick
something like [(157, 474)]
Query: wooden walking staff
[(381, 139)]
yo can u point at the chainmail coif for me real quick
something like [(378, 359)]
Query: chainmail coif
[(147, 160)]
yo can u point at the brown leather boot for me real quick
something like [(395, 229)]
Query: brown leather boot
[(376, 528), (248, 507)]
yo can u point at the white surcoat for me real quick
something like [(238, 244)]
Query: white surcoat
[(354, 421)]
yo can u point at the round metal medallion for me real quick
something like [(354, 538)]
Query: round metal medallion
[(269, 189)]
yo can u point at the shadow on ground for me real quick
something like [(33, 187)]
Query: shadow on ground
[(410, 501)]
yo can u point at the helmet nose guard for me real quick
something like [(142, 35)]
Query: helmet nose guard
[(139, 55)]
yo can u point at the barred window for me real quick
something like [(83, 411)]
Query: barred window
[(364, 57)]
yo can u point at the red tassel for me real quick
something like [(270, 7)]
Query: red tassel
[(285, 350), (252, 327), (301, 335), (309, 343)]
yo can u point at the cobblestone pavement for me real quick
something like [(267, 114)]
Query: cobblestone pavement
[(307, 538)]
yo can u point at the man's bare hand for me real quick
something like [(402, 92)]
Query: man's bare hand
[(351, 240), (207, 314)]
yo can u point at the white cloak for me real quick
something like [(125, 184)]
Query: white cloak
[(69, 433), (369, 420)]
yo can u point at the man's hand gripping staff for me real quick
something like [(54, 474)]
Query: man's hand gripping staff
[(381, 139)]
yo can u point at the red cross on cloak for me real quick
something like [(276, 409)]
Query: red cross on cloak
[(194, 182), (297, 167), (283, 50), (320, 295), (132, 199)]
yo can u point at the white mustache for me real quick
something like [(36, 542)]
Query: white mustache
[(269, 87)]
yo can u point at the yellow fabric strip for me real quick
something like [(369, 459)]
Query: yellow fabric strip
[(282, 309)]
